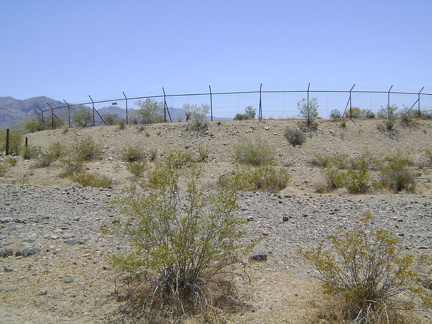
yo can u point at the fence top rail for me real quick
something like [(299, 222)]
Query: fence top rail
[(211, 93)]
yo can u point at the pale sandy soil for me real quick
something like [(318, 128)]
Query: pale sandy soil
[(282, 290)]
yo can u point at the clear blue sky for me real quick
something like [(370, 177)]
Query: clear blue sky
[(70, 49)]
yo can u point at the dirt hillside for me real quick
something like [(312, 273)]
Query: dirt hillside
[(53, 264)]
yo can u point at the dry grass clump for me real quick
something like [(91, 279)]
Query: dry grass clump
[(255, 153)]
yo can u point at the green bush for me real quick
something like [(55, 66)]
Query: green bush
[(153, 154), (83, 117), (132, 154), (408, 117), (255, 153), (390, 116), (368, 113), (85, 149), (353, 174), (429, 157), (149, 111), (396, 176), (137, 168), (308, 110), (203, 154), (294, 136), (354, 112), (181, 242), (15, 141), (11, 161), (71, 166), (335, 114), (90, 180), (34, 125), (365, 270), (257, 178), (249, 113), (30, 152)]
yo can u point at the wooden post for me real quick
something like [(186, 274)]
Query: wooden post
[(7, 141)]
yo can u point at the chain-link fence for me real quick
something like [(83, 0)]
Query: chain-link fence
[(276, 104)]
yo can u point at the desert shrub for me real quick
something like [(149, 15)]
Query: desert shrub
[(354, 112), (83, 117), (181, 242), (2, 170), (353, 174), (255, 153), (338, 160), (368, 113), (71, 166), (149, 111), (249, 113), (408, 117), (34, 125), (263, 178), (11, 161), (390, 115), (396, 176), (132, 154), (85, 149), (111, 119), (429, 157), (153, 154), (294, 136), (203, 154), (47, 157), (137, 168), (335, 114), (91, 180), (121, 124), (365, 270), (15, 140), (30, 152), (308, 110)]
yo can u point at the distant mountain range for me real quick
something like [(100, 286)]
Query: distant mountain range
[(14, 112)]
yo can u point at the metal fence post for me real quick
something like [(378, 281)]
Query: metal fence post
[(127, 117), (93, 110), (211, 104), (69, 113), (260, 104), (7, 141), (418, 103)]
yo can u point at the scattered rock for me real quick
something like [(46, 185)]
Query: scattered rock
[(5, 252), (69, 279), (27, 251), (259, 257), (7, 268)]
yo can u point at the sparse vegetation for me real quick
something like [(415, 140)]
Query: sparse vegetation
[(83, 117), (149, 111), (366, 271), (335, 114), (132, 154), (181, 243), (91, 180), (256, 153), (390, 116), (250, 113), (341, 171), (408, 117), (137, 168), (308, 110), (396, 176), (15, 140), (295, 136), (85, 149), (368, 113), (354, 112), (262, 178)]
